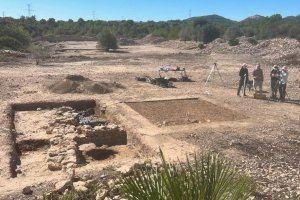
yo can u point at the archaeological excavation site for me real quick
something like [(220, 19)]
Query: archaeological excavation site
[(81, 121)]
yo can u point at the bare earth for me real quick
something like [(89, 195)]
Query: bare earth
[(261, 137)]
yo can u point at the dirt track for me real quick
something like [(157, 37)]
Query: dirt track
[(265, 144)]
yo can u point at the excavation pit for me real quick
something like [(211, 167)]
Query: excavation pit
[(183, 111), (48, 137)]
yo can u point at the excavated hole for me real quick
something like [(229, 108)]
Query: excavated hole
[(33, 145), (183, 111), (101, 154)]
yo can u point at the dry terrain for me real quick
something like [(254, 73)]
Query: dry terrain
[(261, 137)]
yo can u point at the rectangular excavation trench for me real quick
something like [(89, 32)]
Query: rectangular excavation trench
[(61, 135), (183, 111)]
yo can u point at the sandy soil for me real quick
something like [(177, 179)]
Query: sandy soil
[(264, 144)]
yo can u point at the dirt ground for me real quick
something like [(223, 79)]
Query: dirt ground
[(261, 137)]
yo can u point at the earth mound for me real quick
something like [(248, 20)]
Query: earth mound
[(151, 39), (80, 84), (278, 50)]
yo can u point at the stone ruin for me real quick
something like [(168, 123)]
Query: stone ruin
[(77, 137)]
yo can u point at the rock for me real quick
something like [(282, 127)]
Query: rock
[(80, 186), (27, 190), (87, 147), (39, 109), (63, 185), (101, 194), (86, 177), (54, 166)]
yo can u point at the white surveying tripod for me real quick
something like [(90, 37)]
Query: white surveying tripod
[(210, 77)]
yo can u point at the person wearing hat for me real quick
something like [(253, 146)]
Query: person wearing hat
[(283, 82), (258, 77), (244, 78), (275, 76)]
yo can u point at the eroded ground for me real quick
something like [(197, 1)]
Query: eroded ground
[(261, 137)]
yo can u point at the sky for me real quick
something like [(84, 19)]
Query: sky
[(144, 10)]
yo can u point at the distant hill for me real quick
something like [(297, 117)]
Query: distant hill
[(212, 19), (253, 18)]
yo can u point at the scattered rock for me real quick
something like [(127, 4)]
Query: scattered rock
[(27, 190), (63, 185), (54, 166)]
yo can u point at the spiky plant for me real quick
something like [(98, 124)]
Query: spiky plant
[(207, 177)]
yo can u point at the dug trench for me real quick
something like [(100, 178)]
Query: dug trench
[(61, 136)]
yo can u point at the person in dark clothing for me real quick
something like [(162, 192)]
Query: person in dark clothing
[(258, 77), (244, 78), (283, 82), (275, 76)]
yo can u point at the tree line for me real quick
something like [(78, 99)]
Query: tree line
[(16, 33)]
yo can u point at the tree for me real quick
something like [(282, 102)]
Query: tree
[(232, 33), (13, 37), (107, 40), (210, 33)]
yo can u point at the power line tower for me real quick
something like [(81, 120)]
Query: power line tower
[(29, 10)]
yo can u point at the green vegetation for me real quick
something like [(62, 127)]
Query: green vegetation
[(252, 41), (13, 37), (201, 46), (107, 40), (233, 42), (39, 53), (202, 29), (73, 194), (207, 177)]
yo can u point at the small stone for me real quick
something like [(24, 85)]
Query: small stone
[(27, 190), (101, 194), (87, 147), (87, 177), (54, 166), (39, 109), (63, 185)]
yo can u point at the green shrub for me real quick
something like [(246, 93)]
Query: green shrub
[(201, 46), (40, 53), (233, 42), (252, 41), (7, 42), (207, 177), (107, 40), (13, 37)]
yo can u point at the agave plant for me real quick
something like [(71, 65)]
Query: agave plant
[(207, 177)]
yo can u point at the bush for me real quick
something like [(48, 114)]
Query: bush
[(107, 41), (14, 38), (207, 177), (7, 42), (201, 46), (233, 42), (252, 41), (40, 53)]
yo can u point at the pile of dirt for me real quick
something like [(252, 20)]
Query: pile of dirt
[(124, 41), (151, 39), (278, 50), (80, 84), (176, 44)]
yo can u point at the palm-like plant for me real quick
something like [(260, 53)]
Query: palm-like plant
[(207, 177)]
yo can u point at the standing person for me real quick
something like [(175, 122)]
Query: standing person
[(258, 77), (275, 76), (283, 82), (244, 77)]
